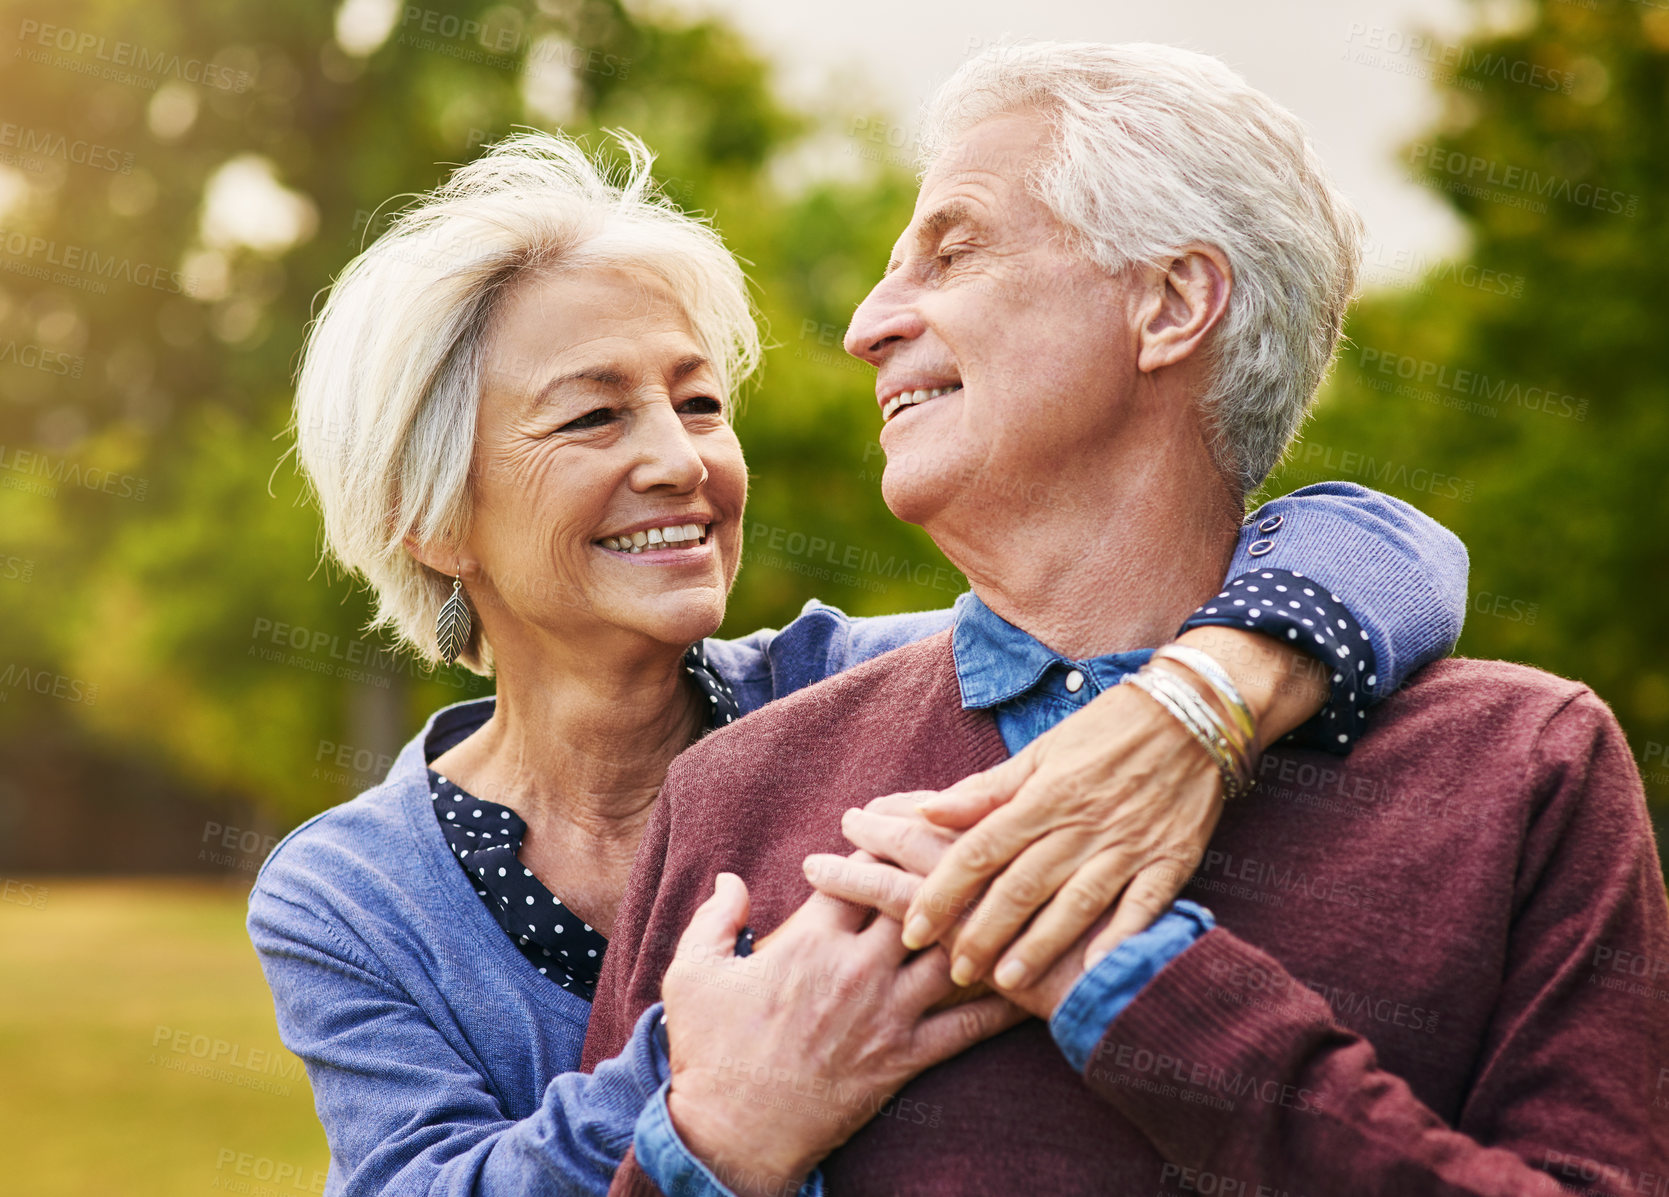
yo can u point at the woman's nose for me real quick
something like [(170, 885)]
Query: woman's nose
[(666, 453)]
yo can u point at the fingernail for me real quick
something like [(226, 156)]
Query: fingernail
[(1091, 959), (962, 972), (1011, 974), (916, 932)]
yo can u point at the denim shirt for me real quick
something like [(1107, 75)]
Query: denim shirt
[(1029, 688)]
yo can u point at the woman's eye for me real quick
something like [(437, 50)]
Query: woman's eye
[(595, 418), (702, 405)]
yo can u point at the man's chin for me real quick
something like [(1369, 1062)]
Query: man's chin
[(913, 493)]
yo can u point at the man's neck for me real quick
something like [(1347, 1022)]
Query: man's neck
[(1134, 550)]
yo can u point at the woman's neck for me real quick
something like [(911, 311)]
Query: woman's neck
[(578, 746)]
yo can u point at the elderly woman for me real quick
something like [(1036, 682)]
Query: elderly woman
[(515, 411)]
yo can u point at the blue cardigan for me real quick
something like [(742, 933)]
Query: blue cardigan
[(442, 1062)]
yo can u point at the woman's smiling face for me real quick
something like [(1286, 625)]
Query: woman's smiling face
[(608, 486)]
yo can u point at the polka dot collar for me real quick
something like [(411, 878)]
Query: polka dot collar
[(721, 702), (486, 838)]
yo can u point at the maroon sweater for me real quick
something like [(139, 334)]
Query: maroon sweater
[(1442, 965)]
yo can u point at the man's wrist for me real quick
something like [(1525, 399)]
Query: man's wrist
[(1103, 991), (745, 1158)]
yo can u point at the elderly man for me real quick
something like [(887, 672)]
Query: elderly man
[(1124, 279)]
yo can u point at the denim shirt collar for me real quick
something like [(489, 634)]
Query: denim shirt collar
[(997, 662)]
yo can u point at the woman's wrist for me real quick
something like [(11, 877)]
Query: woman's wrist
[(1282, 685)]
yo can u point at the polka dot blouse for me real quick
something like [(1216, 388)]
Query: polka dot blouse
[(485, 838), (1288, 606)]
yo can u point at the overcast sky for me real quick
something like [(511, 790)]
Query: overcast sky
[(891, 53)]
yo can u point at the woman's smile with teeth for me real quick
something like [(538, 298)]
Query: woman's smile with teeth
[(910, 398), (672, 536)]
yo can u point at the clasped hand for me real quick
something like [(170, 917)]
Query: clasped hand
[(1038, 866), (1042, 865)]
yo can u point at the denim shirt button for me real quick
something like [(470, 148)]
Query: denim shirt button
[(1074, 682)]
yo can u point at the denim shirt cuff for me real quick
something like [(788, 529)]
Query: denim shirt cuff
[(660, 1051), (1102, 993), (676, 1172)]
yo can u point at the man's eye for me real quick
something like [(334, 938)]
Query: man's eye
[(702, 405), (595, 418), (948, 255)]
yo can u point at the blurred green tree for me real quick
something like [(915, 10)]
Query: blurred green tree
[(1520, 392), (165, 611), (162, 559)]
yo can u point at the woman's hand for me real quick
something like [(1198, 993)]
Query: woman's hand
[(1116, 804), (779, 1057)]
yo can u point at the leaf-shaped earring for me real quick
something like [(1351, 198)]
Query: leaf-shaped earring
[(452, 625)]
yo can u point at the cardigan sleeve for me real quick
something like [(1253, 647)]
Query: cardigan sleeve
[(1399, 574), (1402, 574), (403, 1108), (1569, 1085), (1376, 588)]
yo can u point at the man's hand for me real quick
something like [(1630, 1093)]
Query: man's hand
[(891, 829), (779, 1057), (1112, 809)]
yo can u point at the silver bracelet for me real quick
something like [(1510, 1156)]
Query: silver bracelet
[(1189, 708), (1155, 685), (1215, 676), (1233, 746)]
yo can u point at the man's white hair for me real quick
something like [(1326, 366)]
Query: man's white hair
[(1156, 147), (391, 376)]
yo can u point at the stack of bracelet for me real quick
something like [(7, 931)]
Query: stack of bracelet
[(1229, 741)]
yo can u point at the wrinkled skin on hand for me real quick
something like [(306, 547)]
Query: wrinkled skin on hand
[(780, 1056), (1109, 811)]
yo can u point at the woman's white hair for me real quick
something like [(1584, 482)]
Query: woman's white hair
[(1156, 147), (391, 375)]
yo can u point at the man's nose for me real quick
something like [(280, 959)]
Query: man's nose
[(666, 453), (885, 318)]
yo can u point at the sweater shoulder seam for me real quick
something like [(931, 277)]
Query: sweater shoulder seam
[(343, 948)]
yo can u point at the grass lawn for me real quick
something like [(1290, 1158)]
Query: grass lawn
[(138, 1048)]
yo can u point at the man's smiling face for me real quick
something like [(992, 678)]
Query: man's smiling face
[(1003, 354)]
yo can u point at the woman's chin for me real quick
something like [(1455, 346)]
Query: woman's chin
[(683, 618)]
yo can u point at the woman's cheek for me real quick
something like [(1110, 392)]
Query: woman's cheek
[(729, 471), (733, 557)]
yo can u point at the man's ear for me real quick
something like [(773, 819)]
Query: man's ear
[(1189, 300)]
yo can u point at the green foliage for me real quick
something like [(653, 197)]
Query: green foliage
[(1529, 409), (174, 564)]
